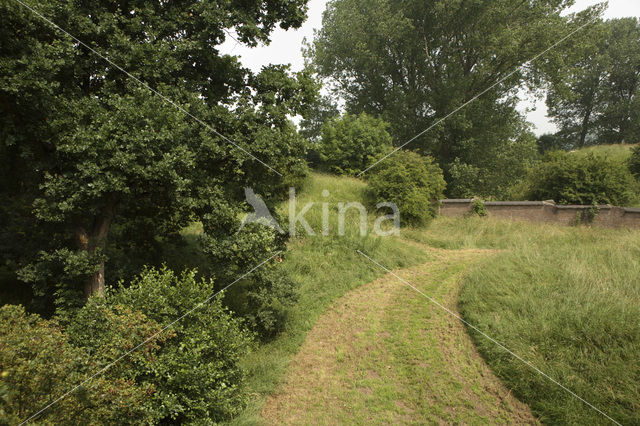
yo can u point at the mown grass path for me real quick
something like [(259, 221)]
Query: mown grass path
[(384, 354)]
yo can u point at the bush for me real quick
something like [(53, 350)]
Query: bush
[(574, 179), (264, 297), (634, 162), (478, 208), (414, 183), (39, 364), (195, 373), (352, 143)]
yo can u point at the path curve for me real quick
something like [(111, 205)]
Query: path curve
[(384, 354)]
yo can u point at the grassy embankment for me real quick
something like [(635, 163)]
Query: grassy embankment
[(616, 152), (566, 299)]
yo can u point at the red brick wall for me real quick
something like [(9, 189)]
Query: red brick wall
[(546, 211)]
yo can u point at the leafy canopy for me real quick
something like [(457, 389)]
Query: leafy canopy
[(352, 143), (39, 363), (87, 149), (415, 62), (594, 93), (195, 370)]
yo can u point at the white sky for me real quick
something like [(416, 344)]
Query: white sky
[(286, 48)]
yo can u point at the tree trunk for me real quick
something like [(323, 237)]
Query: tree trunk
[(90, 241), (95, 283), (585, 126)]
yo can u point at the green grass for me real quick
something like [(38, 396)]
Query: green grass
[(382, 354), (566, 299), (617, 152), (326, 267)]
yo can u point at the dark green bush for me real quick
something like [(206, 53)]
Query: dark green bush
[(580, 179), (634, 162), (195, 373), (264, 297), (352, 143), (39, 364), (413, 182)]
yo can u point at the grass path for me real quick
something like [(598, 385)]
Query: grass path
[(383, 354)]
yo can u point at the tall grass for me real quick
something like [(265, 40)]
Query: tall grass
[(616, 152), (566, 299)]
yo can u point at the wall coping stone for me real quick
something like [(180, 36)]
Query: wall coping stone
[(582, 207), (457, 200), (514, 203)]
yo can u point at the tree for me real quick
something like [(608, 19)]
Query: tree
[(551, 142), (195, 370), (319, 113), (594, 98), (88, 148), (352, 143), (620, 119), (415, 62)]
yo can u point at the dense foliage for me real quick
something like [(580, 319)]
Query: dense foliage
[(478, 208), (495, 170), (413, 182), (195, 372), (595, 90), (88, 149), (322, 110), (552, 142), (415, 62), (351, 143), (39, 364), (568, 178), (264, 297), (634, 162)]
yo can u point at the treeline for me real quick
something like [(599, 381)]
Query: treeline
[(115, 182), (112, 144), (420, 66)]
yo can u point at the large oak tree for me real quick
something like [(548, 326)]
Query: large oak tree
[(86, 148)]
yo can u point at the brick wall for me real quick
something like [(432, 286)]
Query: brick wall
[(546, 211)]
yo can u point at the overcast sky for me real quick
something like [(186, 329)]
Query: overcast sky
[(285, 48)]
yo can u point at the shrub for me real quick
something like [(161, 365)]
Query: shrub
[(195, 373), (39, 364), (264, 297), (352, 143), (478, 208), (634, 162), (414, 183), (575, 179)]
